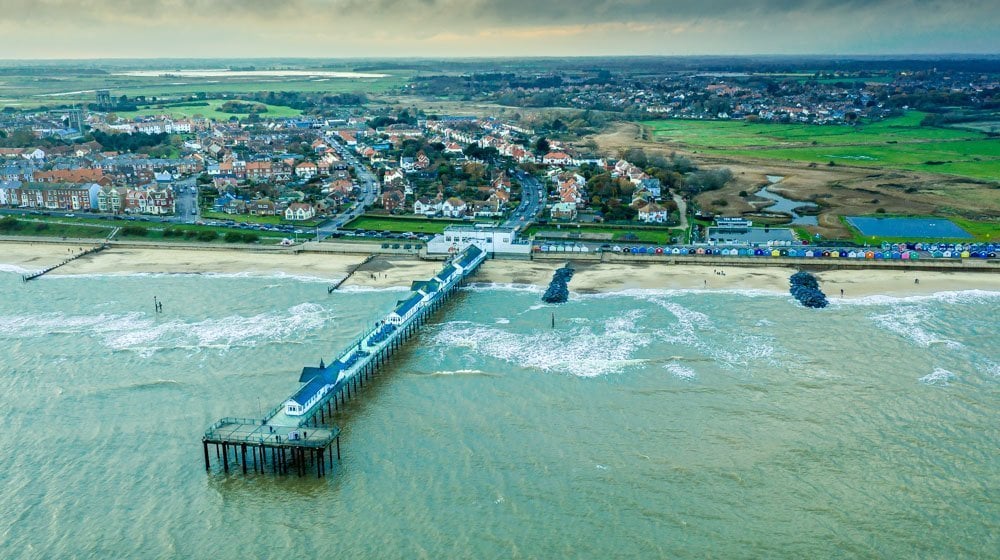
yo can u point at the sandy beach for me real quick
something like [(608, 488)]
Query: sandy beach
[(390, 271)]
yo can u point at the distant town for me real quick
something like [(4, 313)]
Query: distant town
[(528, 151)]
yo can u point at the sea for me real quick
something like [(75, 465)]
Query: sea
[(637, 424)]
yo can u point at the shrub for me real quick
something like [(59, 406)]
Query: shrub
[(233, 237), (134, 231), (10, 223), (207, 235), (190, 234), (880, 210), (41, 227)]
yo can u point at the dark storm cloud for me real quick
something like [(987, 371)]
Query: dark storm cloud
[(482, 12), (81, 28)]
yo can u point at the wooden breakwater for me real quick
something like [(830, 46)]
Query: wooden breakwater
[(38, 273), (350, 272)]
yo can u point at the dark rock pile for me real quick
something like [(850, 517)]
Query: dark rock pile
[(805, 288), (558, 291)]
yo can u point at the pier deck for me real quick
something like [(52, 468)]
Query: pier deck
[(300, 429)]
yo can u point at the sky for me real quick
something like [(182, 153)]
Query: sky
[(38, 29)]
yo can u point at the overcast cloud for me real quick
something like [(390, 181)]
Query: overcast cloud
[(331, 28)]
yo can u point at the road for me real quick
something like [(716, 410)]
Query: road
[(367, 182), (532, 202), (186, 200)]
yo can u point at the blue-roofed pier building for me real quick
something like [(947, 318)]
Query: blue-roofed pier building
[(301, 421)]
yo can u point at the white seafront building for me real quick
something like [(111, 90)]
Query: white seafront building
[(497, 240)]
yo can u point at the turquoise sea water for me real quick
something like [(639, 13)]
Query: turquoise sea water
[(645, 424)]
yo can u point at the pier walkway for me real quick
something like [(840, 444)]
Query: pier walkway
[(299, 432)]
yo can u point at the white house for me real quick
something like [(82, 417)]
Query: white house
[(299, 211), (557, 158), (454, 207), (306, 170), (653, 213), (424, 206)]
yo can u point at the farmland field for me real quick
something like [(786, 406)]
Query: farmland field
[(62, 86), (210, 110), (898, 143)]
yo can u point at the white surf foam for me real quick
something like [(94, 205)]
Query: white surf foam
[(578, 351), (696, 330), (680, 371), (145, 334), (499, 287), (502, 321), (14, 268), (938, 378), (907, 322), (957, 297)]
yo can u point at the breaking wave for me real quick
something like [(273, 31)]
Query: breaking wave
[(14, 268), (578, 351), (145, 334), (907, 323), (680, 371), (939, 378)]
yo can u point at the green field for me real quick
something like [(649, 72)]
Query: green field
[(401, 225), (210, 111), (899, 143), (67, 85), (44, 228), (93, 228), (265, 220)]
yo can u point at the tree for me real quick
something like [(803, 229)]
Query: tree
[(542, 146)]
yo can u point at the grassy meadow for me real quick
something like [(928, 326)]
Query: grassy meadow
[(898, 143), (208, 109), (64, 87), (401, 225)]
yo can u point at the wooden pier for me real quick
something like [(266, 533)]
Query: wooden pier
[(301, 439), (38, 273), (283, 447)]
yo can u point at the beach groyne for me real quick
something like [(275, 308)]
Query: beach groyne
[(39, 273)]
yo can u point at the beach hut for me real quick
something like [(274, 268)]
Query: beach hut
[(616, 249), (937, 254), (775, 253), (794, 253), (758, 252), (870, 255), (965, 254), (675, 251), (642, 250), (835, 254), (896, 255), (946, 254), (906, 255), (826, 253), (700, 251), (659, 250)]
